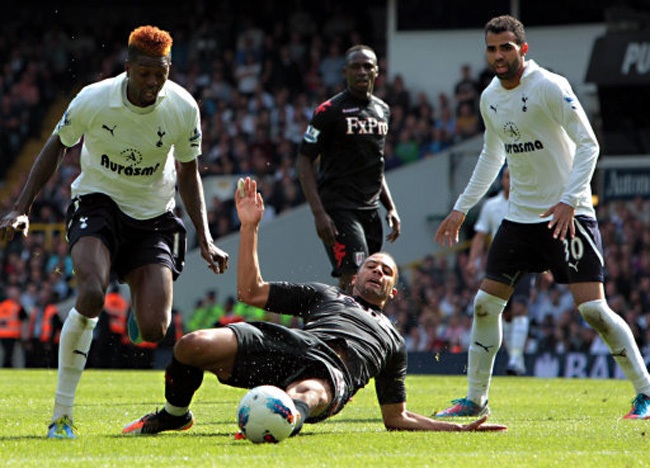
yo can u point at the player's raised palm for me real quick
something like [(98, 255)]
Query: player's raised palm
[(249, 203)]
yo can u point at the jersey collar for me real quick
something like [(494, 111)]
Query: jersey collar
[(531, 67), (118, 96), (366, 304)]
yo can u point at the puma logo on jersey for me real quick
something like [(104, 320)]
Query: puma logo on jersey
[(83, 222), (494, 108), (109, 129), (573, 265)]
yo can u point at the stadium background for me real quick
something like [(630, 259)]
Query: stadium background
[(49, 52)]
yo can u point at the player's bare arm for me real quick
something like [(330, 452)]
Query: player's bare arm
[(251, 288), (447, 233), (325, 227), (190, 188), (392, 218), (46, 164), (397, 418), (562, 221)]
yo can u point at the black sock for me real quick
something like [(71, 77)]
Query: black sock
[(303, 409), (181, 382)]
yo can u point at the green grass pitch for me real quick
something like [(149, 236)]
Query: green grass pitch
[(552, 422)]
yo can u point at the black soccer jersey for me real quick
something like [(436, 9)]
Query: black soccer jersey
[(349, 134), (371, 344)]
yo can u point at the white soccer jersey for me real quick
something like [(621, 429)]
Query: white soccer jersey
[(551, 149), (128, 152), (492, 213)]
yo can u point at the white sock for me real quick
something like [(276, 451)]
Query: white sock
[(76, 338), (618, 336), (519, 336), (176, 410), (486, 337)]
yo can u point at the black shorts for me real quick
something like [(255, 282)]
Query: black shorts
[(519, 248), (360, 235), (271, 354), (131, 242)]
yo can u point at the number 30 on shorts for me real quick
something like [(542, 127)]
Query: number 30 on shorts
[(573, 249)]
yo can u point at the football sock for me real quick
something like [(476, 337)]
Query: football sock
[(617, 335), (181, 382), (486, 340), (518, 337), (176, 410), (76, 338), (303, 409)]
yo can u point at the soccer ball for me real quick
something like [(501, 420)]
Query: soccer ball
[(266, 414)]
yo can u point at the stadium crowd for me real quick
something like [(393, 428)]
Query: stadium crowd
[(257, 89)]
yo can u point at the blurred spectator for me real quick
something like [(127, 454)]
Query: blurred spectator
[(207, 313), (467, 121), (12, 319), (44, 328), (331, 68), (110, 340), (398, 95), (248, 74), (406, 148), (446, 123), (466, 89)]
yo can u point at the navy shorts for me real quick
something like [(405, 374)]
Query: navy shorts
[(360, 235), (131, 242), (519, 248), (271, 354)]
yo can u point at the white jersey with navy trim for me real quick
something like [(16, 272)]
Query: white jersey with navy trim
[(128, 152), (542, 130)]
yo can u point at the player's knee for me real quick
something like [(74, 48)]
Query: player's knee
[(189, 347), (207, 348), (153, 333), (488, 307)]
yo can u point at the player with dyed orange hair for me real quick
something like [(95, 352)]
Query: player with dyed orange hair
[(141, 138), (150, 40)]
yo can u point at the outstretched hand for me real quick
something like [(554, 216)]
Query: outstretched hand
[(249, 203), (480, 426)]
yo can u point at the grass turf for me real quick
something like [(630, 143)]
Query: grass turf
[(552, 422)]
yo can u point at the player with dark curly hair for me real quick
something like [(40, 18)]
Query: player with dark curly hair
[(141, 137), (536, 124)]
